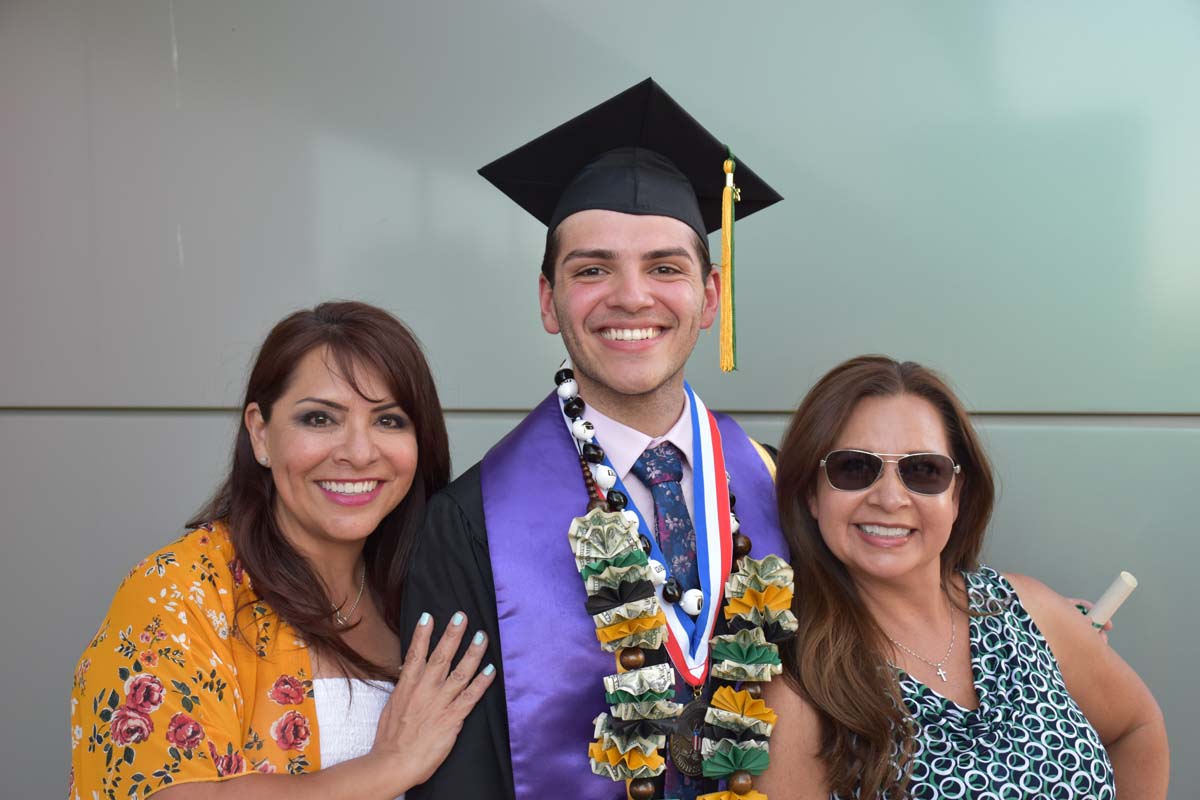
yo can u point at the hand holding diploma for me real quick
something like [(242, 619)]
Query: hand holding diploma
[(1100, 613), (1116, 594)]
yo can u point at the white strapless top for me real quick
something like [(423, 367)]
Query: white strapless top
[(346, 721)]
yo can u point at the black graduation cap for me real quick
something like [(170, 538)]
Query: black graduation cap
[(637, 153)]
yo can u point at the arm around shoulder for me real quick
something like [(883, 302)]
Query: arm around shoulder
[(1111, 695), (795, 771)]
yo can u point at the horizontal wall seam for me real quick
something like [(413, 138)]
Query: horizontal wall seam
[(1096, 417)]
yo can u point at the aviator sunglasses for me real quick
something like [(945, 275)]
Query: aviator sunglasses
[(921, 473)]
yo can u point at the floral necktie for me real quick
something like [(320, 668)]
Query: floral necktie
[(660, 469)]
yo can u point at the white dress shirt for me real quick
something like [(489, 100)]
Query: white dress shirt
[(623, 445)]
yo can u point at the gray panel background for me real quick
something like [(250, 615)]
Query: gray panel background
[(1002, 190)]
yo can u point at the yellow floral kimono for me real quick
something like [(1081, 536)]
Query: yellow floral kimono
[(170, 692)]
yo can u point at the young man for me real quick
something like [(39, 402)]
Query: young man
[(629, 192)]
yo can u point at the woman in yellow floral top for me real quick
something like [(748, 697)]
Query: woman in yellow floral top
[(204, 668)]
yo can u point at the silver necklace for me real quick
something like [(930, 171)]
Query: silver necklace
[(941, 673), (344, 619)]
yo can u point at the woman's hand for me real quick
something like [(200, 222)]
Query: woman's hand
[(422, 719), (1085, 606), (414, 735)]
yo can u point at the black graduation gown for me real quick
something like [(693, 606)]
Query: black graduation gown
[(452, 571)]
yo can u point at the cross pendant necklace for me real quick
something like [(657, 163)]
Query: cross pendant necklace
[(939, 666)]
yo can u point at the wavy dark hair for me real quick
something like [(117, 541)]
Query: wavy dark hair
[(840, 660), (355, 336)]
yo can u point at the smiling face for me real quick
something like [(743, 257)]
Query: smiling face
[(340, 462), (630, 298), (885, 532)]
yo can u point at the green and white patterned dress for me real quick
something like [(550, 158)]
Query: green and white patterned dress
[(1027, 739)]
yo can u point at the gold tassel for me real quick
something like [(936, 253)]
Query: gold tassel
[(728, 336)]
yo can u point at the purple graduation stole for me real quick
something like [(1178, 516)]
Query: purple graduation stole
[(532, 487)]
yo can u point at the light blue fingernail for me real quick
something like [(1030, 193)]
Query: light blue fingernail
[(457, 619), (424, 620), (489, 669), (478, 638)]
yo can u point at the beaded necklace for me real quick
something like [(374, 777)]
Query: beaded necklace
[(723, 738)]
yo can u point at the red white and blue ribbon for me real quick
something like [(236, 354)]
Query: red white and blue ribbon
[(687, 637)]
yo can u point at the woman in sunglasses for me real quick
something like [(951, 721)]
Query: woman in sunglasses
[(917, 671)]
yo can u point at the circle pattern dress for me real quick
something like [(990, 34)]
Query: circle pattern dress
[(1027, 739)]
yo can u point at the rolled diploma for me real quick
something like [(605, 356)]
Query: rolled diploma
[(1111, 600)]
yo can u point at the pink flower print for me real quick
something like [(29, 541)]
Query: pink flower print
[(228, 764), (129, 726), (143, 693), (287, 691), (291, 731), (184, 732), (238, 571)]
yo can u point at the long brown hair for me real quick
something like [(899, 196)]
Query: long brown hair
[(355, 336), (840, 662)]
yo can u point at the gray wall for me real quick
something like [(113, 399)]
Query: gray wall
[(1003, 190)]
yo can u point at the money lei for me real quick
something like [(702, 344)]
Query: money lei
[(737, 725), (609, 556)]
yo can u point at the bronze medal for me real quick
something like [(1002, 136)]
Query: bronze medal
[(685, 739)]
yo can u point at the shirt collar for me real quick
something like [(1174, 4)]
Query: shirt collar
[(623, 444)]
